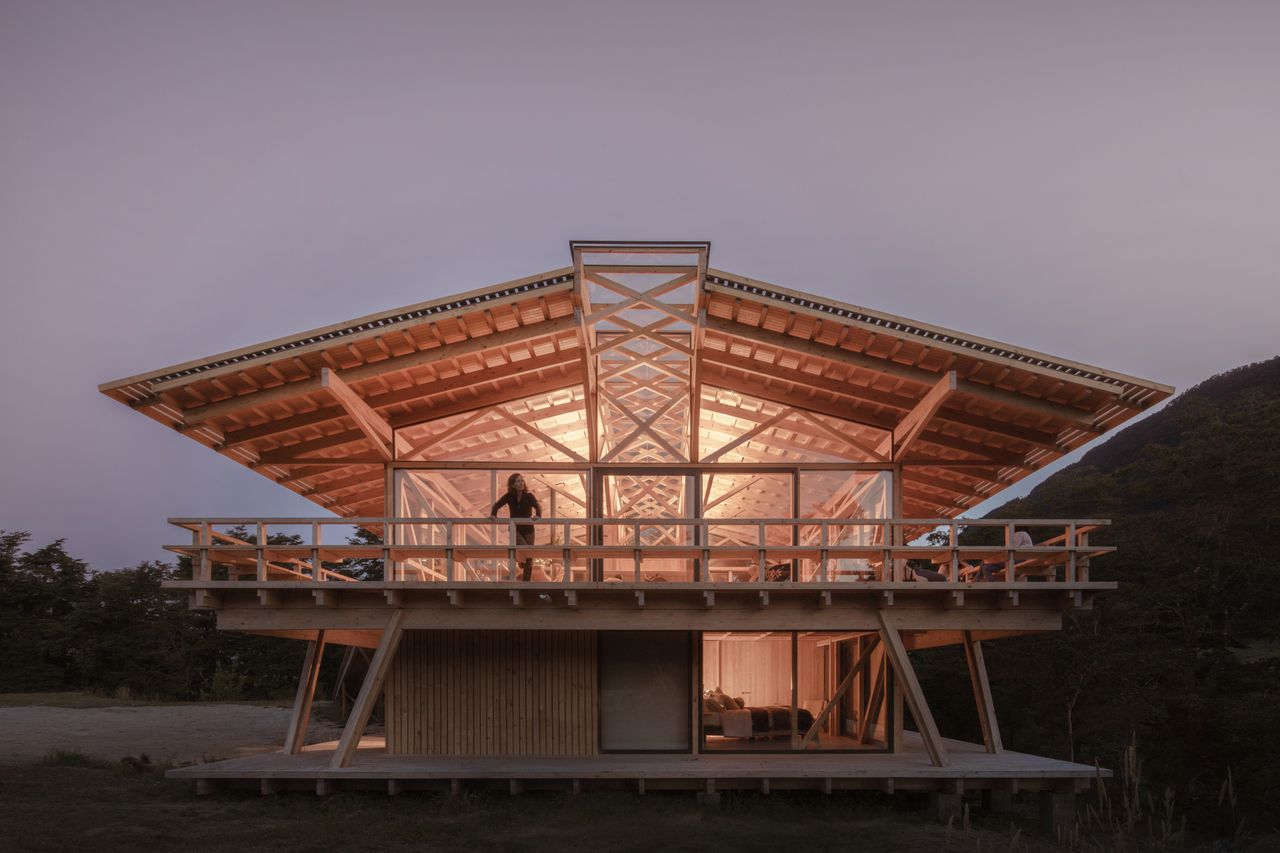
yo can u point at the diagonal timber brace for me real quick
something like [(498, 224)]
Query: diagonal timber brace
[(297, 734), (982, 693), (841, 689), (369, 691), (897, 654)]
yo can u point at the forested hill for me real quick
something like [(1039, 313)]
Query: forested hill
[(1167, 427), (1194, 494), (1185, 656)]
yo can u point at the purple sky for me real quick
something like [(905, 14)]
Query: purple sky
[(176, 179)]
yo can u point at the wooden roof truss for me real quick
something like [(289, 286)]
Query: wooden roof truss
[(640, 355)]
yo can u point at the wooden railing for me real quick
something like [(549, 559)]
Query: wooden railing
[(639, 550)]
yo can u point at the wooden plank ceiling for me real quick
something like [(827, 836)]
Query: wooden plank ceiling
[(500, 374)]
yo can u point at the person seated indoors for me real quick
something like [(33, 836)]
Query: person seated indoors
[(1021, 539)]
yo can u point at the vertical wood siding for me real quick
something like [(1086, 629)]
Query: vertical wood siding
[(501, 693)]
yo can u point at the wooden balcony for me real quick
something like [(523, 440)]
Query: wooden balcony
[(686, 574)]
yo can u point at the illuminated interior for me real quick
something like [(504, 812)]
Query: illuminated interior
[(752, 681)]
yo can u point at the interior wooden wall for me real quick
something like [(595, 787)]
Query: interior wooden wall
[(759, 669), (500, 693), (812, 690)]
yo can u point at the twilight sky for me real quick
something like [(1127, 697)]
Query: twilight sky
[(1100, 181)]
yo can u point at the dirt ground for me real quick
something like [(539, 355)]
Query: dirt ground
[(175, 734)]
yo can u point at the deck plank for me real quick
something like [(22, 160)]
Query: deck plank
[(969, 761)]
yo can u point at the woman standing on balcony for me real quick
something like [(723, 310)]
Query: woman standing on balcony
[(522, 504)]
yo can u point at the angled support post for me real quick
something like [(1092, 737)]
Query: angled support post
[(296, 737), (369, 691), (897, 654), (982, 694)]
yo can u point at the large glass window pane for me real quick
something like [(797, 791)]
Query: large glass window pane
[(740, 500), (668, 550), (441, 497), (838, 687), (864, 499)]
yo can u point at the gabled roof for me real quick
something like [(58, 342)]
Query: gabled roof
[(776, 375)]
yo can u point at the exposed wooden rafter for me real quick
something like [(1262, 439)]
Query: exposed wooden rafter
[(256, 399), (885, 367), (913, 424), (859, 385), (373, 425)]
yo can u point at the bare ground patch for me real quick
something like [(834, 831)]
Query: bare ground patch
[(180, 733)]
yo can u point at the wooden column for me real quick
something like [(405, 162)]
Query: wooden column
[(914, 696), (388, 512), (982, 694), (369, 690), (297, 734), (696, 647), (795, 689), (893, 713), (894, 685), (899, 566), (875, 700)]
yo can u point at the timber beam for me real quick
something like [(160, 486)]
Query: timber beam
[(422, 358), (913, 424), (920, 376), (373, 425)]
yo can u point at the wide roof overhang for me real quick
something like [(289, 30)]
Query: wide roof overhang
[(321, 412)]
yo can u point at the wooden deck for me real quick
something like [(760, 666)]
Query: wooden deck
[(971, 768)]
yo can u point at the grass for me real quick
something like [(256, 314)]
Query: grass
[(71, 758), (73, 804), (69, 801)]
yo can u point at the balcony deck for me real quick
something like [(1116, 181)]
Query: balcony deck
[(660, 550), (674, 574), (971, 768), (298, 608)]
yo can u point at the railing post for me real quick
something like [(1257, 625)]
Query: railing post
[(567, 553), (823, 542), (703, 569), (260, 551), (448, 552), (1010, 571), (635, 548), (1071, 553), (388, 566), (206, 538), (890, 570), (511, 550), (317, 573), (1082, 566), (760, 570), (953, 540)]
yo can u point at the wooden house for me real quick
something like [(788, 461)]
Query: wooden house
[(738, 483)]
